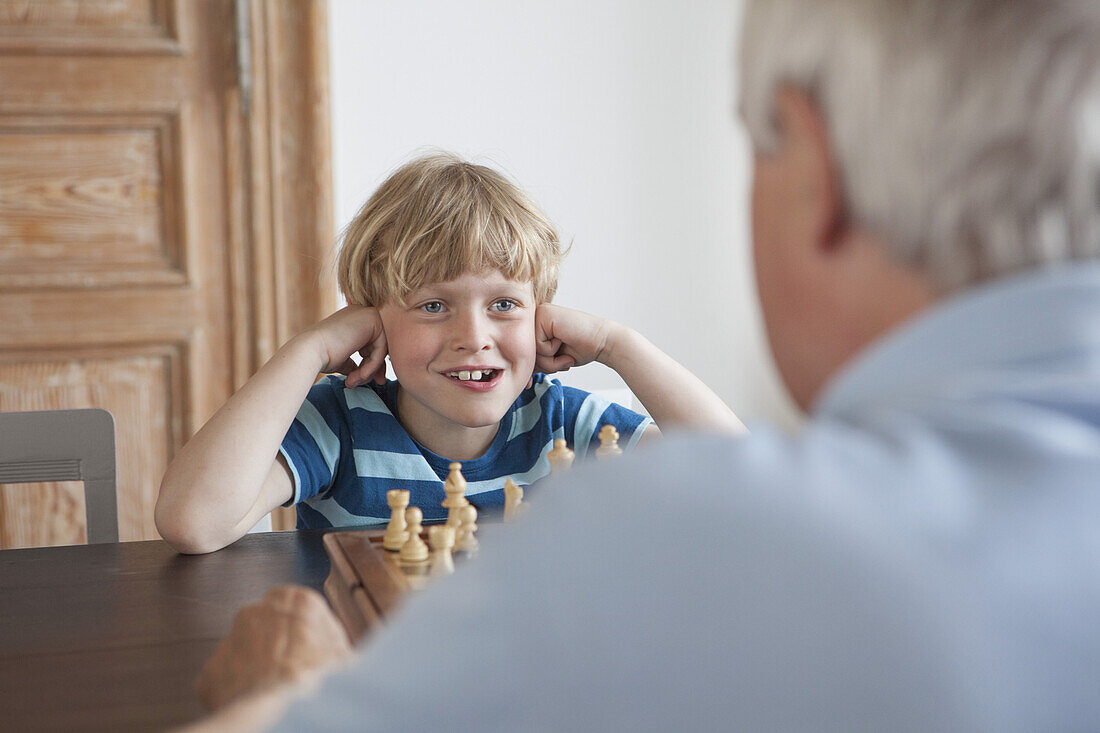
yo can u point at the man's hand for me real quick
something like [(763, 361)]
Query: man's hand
[(355, 328), (290, 636), (566, 338)]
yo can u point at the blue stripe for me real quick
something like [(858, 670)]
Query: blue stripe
[(541, 469), (527, 416), (381, 431), (588, 423), (297, 495), (364, 398), (572, 401), (346, 450), (327, 442), (306, 461), (639, 431), (338, 516), (310, 518)]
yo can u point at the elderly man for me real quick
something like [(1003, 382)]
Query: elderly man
[(924, 554)]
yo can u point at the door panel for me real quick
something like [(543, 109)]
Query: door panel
[(88, 26), (158, 238), (90, 201), (140, 387), (113, 221)]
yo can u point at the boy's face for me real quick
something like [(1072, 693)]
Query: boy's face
[(444, 335)]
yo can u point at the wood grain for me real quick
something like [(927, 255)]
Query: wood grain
[(89, 26), (88, 202), (113, 15), (43, 514), (285, 277), (154, 237), (365, 585), (136, 389), (112, 637)]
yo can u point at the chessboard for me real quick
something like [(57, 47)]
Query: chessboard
[(367, 583), (373, 570)]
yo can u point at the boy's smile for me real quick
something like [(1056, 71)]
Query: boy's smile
[(478, 379), (462, 350)]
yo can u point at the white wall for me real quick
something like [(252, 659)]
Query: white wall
[(617, 116)]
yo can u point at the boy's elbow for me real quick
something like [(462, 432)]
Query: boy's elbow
[(182, 530), (185, 541)]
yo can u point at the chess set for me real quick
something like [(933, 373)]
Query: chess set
[(373, 570)]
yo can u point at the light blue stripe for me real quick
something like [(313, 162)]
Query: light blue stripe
[(588, 419), (541, 469), (297, 479), (341, 517), (322, 434), (528, 416), (638, 432), (386, 465), (365, 398)]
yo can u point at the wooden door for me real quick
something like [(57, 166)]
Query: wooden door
[(164, 221)]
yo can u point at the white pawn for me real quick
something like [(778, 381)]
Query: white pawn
[(465, 541), (513, 500), (396, 531), (442, 541), (609, 443), (455, 489), (561, 457), (415, 550)]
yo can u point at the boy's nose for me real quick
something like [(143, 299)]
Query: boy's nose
[(471, 333)]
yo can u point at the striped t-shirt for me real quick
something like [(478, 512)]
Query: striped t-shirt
[(345, 449)]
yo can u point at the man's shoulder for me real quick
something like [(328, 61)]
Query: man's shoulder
[(822, 461)]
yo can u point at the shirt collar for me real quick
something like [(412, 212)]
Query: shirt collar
[(1022, 320)]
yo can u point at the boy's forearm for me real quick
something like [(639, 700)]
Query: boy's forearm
[(673, 396), (213, 482)]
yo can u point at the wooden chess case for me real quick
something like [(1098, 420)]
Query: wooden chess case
[(365, 583)]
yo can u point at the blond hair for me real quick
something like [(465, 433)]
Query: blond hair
[(438, 217)]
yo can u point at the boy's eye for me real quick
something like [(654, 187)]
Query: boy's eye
[(503, 305), (433, 307)]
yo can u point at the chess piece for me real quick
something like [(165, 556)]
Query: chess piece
[(609, 443), (455, 489), (441, 538), (513, 500), (415, 550), (561, 458), (396, 531), (465, 540)]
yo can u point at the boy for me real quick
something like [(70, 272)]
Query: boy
[(450, 270)]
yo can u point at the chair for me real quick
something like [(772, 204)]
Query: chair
[(65, 445)]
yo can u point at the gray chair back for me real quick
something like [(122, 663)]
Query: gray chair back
[(65, 445)]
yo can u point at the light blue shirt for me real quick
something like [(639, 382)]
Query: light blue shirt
[(925, 555)]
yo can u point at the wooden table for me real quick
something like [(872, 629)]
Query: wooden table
[(112, 637)]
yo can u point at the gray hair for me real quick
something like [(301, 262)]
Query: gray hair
[(966, 132)]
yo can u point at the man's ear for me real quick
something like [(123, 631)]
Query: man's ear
[(816, 177)]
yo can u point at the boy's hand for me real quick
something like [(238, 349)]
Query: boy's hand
[(351, 329), (566, 338)]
